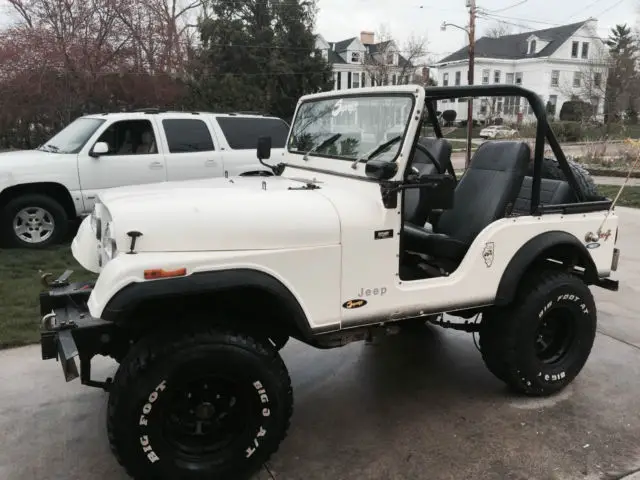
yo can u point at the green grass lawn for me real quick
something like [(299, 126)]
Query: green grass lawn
[(630, 196), (20, 286)]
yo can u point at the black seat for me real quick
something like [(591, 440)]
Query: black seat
[(552, 192), (415, 207), (485, 193)]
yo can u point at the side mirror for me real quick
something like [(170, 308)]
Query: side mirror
[(438, 189), (380, 170), (100, 148), (264, 148)]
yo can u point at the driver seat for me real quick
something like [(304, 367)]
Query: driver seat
[(485, 193)]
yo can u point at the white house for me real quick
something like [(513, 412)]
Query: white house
[(361, 62), (557, 63)]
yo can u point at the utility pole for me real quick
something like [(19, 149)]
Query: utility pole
[(471, 33), (472, 43)]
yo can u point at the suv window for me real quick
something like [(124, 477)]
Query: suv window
[(187, 135), (243, 133), (130, 137)]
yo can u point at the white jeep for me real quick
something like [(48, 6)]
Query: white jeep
[(42, 189), (202, 282)]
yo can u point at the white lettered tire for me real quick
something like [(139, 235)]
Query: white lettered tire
[(204, 404), (540, 343)]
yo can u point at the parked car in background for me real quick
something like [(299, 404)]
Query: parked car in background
[(497, 131), (42, 189)]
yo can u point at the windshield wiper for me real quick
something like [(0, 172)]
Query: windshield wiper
[(376, 151), (50, 148), (323, 144)]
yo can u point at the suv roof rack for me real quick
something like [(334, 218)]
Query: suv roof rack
[(261, 114)]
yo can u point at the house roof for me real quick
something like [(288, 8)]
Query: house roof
[(342, 45), (513, 47)]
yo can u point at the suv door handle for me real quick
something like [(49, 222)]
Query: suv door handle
[(210, 163), (156, 165)]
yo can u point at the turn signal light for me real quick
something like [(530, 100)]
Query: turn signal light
[(160, 273)]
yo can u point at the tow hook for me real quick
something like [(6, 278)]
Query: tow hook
[(61, 281)]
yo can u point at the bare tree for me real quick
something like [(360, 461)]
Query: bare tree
[(385, 60), (589, 83), (498, 29)]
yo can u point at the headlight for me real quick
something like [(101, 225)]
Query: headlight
[(108, 242), (96, 223)]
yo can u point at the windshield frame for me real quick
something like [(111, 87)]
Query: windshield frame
[(99, 123), (352, 94)]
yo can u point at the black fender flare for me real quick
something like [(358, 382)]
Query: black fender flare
[(132, 295), (530, 252)]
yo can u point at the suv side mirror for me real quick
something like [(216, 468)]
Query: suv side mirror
[(99, 148), (264, 148), (380, 170)]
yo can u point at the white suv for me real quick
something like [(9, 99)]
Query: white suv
[(41, 189)]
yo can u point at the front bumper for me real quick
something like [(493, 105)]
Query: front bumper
[(68, 331)]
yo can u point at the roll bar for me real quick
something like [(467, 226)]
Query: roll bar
[(543, 130)]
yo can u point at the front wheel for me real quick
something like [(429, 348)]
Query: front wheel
[(205, 404), (34, 221), (540, 343)]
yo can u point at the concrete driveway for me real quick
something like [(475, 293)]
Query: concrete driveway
[(411, 407)]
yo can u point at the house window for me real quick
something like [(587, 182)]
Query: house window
[(577, 79), (555, 78), (496, 76), (349, 80), (585, 49), (355, 57), (574, 49), (519, 78), (445, 79), (551, 104), (499, 106), (339, 74), (356, 80), (362, 80), (458, 77), (597, 79), (532, 47), (485, 77), (390, 58), (510, 78), (394, 79)]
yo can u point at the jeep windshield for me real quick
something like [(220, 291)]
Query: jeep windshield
[(351, 127)]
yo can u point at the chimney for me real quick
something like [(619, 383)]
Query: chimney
[(367, 38)]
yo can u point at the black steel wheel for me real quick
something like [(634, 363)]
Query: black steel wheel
[(541, 342), (199, 405)]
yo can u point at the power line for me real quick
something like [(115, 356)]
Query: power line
[(509, 7), (583, 9), (610, 8)]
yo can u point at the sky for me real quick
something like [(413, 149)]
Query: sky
[(341, 19)]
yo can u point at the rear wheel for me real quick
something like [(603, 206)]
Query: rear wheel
[(540, 343), (200, 405)]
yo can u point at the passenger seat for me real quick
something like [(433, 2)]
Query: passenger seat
[(552, 192)]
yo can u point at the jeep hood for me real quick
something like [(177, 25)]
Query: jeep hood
[(240, 213)]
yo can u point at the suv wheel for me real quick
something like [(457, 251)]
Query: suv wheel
[(198, 405), (540, 343), (34, 221)]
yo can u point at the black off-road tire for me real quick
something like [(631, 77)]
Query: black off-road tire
[(149, 395), (551, 170), (511, 337), (33, 201)]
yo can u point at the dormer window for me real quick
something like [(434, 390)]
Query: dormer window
[(532, 47), (355, 57), (390, 58)]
